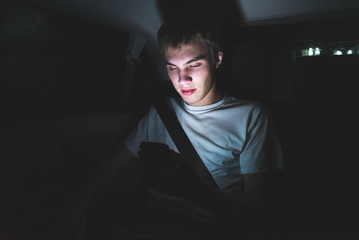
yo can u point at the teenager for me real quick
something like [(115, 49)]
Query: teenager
[(234, 138)]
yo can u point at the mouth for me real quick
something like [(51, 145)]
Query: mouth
[(188, 92)]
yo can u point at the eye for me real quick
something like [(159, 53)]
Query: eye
[(171, 68), (195, 65)]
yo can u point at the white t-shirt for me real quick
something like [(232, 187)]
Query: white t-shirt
[(232, 137)]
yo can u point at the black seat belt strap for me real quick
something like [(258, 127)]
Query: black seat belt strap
[(182, 141)]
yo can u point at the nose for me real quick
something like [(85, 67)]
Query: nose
[(184, 76)]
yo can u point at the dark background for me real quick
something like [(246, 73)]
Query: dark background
[(62, 111)]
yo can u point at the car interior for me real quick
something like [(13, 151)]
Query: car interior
[(76, 77)]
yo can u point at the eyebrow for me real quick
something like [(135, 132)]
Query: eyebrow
[(189, 61)]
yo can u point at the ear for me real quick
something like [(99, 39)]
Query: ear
[(219, 59)]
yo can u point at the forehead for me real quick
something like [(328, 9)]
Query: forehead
[(186, 51)]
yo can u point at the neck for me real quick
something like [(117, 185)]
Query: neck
[(218, 93)]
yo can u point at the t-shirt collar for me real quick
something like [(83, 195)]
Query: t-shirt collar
[(202, 109)]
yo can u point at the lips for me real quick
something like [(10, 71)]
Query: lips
[(188, 92)]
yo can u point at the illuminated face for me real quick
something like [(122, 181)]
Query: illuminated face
[(192, 73)]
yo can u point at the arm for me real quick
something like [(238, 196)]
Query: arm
[(247, 213), (262, 151), (252, 205)]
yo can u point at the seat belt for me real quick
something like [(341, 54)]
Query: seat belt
[(182, 141)]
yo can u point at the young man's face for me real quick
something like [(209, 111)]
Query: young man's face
[(192, 73)]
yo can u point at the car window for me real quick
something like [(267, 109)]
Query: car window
[(264, 59)]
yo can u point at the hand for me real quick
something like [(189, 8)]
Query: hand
[(169, 172), (165, 171), (192, 184)]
